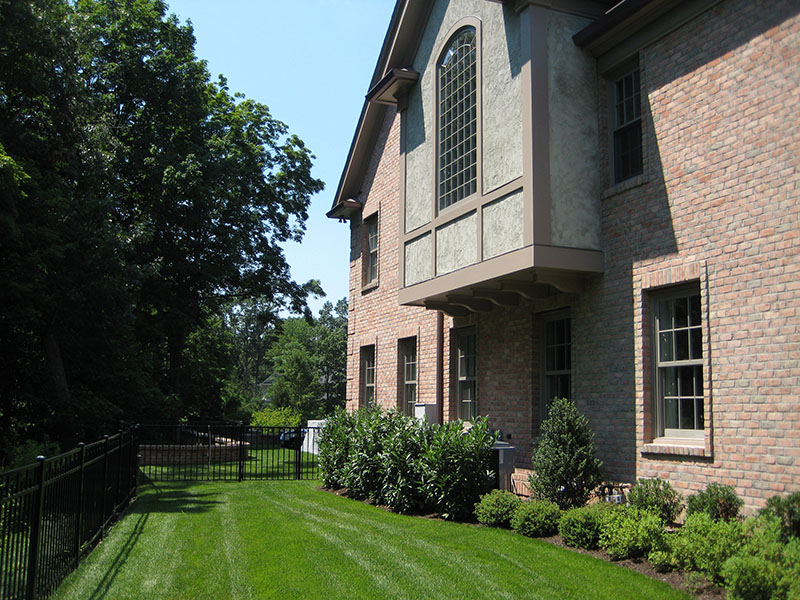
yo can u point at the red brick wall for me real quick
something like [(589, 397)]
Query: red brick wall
[(375, 316), (720, 204)]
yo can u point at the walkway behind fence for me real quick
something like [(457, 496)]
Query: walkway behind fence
[(53, 512)]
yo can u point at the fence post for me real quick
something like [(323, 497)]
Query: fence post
[(297, 453), (119, 472), (79, 520), (103, 489), (241, 451), (36, 532)]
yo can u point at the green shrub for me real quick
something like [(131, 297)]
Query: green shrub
[(703, 544), (662, 560), (334, 447), (285, 416), (580, 527), (456, 467), (629, 532), (537, 518), (496, 508), (763, 566), (566, 469), (718, 501), (787, 509), (657, 496), (750, 578), (407, 465), (401, 461)]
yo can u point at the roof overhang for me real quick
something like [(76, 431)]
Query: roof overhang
[(394, 85), (347, 209)]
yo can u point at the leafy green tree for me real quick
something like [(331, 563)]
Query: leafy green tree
[(296, 378), (138, 199), (331, 353)]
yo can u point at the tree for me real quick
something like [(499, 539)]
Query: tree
[(296, 378), (139, 199), (331, 354)]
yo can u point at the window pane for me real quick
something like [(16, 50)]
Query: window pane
[(696, 340), (665, 346), (671, 413), (682, 345), (701, 423), (681, 312), (698, 381), (686, 381), (687, 413), (665, 315), (669, 381), (694, 310)]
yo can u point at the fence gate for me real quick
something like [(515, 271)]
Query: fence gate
[(214, 451)]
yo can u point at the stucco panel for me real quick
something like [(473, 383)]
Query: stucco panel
[(457, 244), (575, 159), (501, 91), (502, 225), (419, 259)]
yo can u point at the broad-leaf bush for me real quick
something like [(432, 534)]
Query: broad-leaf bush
[(630, 532), (580, 527), (456, 467), (787, 509), (537, 518), (565, 467), (284, 416), (496, 508), (718, 501), (405, 464), (334, 447), (657, 496), (703, 544)]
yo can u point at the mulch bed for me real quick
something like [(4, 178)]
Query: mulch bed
[(691, 583)]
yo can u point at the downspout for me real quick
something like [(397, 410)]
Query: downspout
[(440, 365)]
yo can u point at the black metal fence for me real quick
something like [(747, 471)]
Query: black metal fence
[(227, 452), (54, 511)]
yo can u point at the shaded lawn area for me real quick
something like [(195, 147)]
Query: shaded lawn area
[(286, 539)]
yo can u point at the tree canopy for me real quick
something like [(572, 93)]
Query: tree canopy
[(139, 202)]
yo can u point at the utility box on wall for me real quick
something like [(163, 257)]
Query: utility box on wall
[(503, 464), (426, 413)]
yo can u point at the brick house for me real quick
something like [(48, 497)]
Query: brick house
[(596, 200)]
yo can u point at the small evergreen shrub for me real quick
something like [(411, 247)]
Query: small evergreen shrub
[(657, 496), (718, 501), (661, 560), (703, 544), (630, 532), (285, 416), (750, 578), (364, 471), (580, 527), (537, 518), (566, 469), (496, 508), (787, 509)]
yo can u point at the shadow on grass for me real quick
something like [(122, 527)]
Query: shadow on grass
[(105, 584), (174, 497)]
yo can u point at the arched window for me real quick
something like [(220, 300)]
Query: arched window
[(458, 119)]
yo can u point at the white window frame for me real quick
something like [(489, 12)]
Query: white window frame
[(371, 241), (625, 119), (557, 348), (368, 376), (409, 373), (466, 373)]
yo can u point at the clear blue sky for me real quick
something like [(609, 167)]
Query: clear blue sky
[(311, 62)]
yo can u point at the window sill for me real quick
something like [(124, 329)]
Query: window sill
[(368, 287), (676, 447), (624, 186)]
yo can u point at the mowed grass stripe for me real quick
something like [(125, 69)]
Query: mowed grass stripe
[(272, 539)]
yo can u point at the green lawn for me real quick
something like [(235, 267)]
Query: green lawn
[(277, 539)]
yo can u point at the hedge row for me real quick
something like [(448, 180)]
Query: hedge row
[(405, 464)]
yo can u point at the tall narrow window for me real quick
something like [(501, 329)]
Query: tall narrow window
[(466, 375), (408, 374), (679, 363), (458, 133), (557, 352), (367, 375), (627, 119), (371, 259)]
